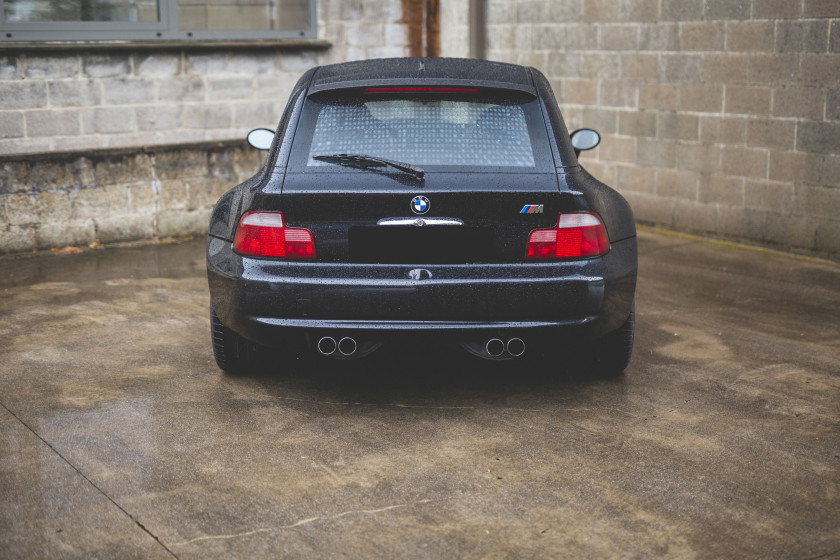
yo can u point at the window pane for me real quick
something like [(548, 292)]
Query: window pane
[(80, 10), (254, 15), (425, 131)]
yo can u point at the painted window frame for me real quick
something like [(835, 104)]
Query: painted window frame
[(165, 29)]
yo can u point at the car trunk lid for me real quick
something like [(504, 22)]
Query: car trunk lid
[(371, 217)]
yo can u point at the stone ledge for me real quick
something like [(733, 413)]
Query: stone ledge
[(99, 153), (119, 194), (166, 45)]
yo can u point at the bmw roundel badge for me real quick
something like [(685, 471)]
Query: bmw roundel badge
[(420, 204)]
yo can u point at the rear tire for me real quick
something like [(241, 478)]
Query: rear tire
[(234, 354), (611, 353)]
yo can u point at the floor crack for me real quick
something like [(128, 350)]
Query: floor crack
[(301, 522), (89, 481)]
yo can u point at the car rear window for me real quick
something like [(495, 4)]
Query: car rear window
[(426, 131)]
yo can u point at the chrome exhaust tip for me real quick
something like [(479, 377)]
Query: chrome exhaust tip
[(327, 346), (347, 346), (495, 347), (516, 347)]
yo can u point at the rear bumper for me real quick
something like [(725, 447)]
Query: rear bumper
[(262, 299)]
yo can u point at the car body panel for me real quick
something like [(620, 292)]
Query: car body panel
[(494, 291), (420, 72), (330, 207), (598, 290)]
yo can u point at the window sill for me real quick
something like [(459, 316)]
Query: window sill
[(104, 153), (279, 44)]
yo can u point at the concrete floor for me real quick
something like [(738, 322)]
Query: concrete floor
[(120, 438)]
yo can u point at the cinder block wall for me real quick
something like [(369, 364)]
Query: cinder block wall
[(720, 117), (76, 99), (53, 200), (122, 143)]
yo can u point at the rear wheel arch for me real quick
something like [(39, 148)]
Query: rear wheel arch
[(613, 208), (233, 353), (610, 354)]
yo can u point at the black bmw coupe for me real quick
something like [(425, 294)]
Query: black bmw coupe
[(422, 199)]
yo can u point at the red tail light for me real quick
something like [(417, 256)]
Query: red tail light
[(575, 235), (264, 234)]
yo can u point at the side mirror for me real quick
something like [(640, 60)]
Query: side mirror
[(261, 138), (584, 139)]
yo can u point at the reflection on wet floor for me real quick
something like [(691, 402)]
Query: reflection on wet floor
[(119, 437)]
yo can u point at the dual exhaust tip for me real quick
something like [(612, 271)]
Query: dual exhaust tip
[(495, 347), (346, 346)]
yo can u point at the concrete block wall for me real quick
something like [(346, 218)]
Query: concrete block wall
[(135, 143), (719, 117), (54, 200), (83, 139), (361, 29), (76, 99), (455, 28)]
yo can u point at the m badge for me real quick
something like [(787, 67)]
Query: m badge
[(532, 209)]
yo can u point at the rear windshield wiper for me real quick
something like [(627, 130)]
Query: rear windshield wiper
[(363, 161)]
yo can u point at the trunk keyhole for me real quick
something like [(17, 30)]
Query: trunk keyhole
[(419, 274)]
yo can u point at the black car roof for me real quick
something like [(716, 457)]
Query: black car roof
[(422, 71)]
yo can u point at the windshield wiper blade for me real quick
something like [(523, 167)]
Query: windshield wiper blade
[(365, 161)]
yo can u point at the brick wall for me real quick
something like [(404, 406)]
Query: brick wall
[(719, 117)]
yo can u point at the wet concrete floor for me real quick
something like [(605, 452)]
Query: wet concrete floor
[(120, 438)]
